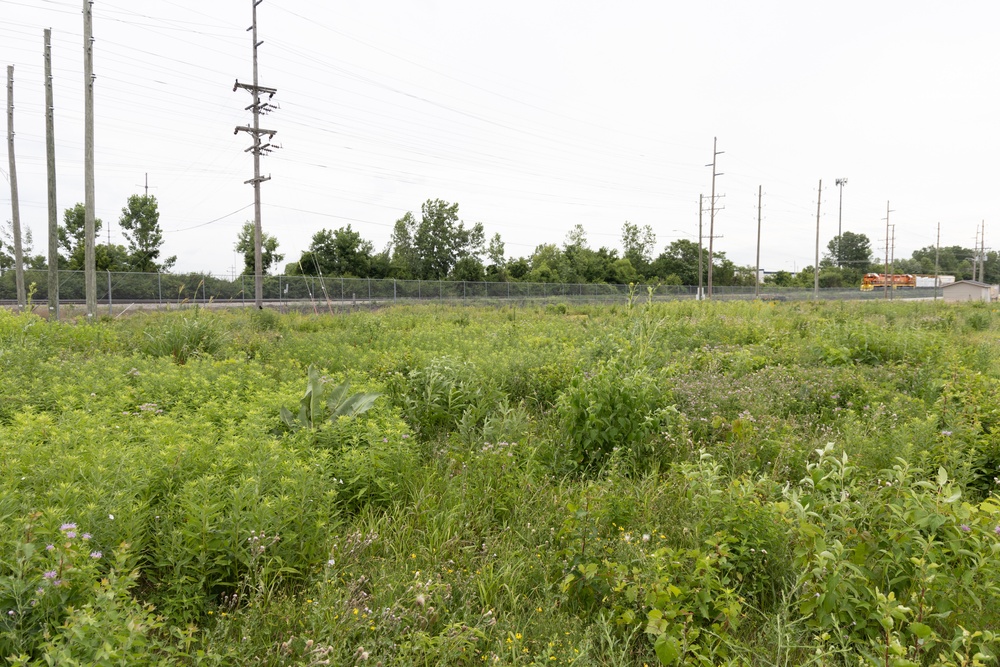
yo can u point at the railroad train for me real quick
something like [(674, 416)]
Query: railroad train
[(901, 281)]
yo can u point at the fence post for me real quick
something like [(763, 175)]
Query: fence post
[(204, 289), (369, 291), (110, 311), (159, 291)]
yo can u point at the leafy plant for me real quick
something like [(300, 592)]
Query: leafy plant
[(322, 403)]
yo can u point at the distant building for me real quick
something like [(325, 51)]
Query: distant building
[(969, 290)]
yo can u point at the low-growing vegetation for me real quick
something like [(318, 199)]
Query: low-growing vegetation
[(675, 484)]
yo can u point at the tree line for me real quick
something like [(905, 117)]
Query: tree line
[(438, 245), (140, 225)]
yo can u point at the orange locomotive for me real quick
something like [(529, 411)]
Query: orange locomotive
[(881, 280)]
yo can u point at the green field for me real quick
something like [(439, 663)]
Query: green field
[(682, 483)]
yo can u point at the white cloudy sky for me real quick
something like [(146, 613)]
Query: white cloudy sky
[(534, 116)]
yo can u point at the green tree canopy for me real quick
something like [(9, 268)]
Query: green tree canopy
[(140, 223), (854, 252), (269, 255), (440, 239), (342, 252), (72, 236)]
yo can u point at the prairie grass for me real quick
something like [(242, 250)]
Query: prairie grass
[(685, 483)]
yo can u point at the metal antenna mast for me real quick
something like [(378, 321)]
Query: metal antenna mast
[(258, 148)]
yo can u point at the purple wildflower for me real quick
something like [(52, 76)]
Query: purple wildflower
[(50, 547), (71, 534), (946, 433), (51, 574), (996, 530), (965, 528), (86, 536), (95, 554), (67, 526)]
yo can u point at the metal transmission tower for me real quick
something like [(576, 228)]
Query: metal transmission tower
[(259, 147), (840, 182)]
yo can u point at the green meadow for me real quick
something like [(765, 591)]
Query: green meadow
[(642, 484)]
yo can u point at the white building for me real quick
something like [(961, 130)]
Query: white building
[(969, 290)]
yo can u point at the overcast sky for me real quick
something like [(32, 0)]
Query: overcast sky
[(533, 116)]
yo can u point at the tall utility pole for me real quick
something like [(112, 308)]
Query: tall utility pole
[(701, 209), (819, 199), (982, 254), (840, 182), (15, 209), (711, 224), (50, 168), (937, 262), (89, 256), (885, 276), (756, 282), (892, 260), (258, 148)]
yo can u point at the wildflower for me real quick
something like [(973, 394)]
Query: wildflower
[(946, 433), (86, 536), (645, 537), (111, 517), (996, 530), (330, 562), (965, 528), (50, 547), (11, 612), (51, 574), (96, 555), (71, 534), (67, 526)]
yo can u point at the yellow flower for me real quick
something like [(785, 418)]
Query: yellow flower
[(517, 635), (539, 610)]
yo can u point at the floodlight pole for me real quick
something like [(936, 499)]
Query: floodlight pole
[(841, 182)]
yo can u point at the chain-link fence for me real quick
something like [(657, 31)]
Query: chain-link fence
[(161, 289)]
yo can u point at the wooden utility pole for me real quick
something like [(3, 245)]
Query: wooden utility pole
[(258, 148), (885, 276), (50, 169), (711, 224), (892, 261), (819, 200), (701, 209), (15, 208), (937, 262), (89, 256), (982, 254), (756, 282)]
